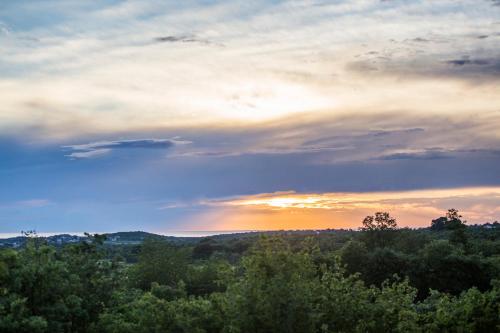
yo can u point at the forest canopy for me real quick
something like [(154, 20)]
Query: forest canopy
[(379, 279)]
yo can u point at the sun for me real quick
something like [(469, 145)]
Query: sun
[(261, 101)]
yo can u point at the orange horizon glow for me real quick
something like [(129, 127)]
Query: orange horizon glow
[(296, 211)]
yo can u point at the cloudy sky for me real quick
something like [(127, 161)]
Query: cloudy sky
[(203, 115)]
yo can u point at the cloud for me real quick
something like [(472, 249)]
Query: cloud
[(466, 68), (172, 39), (436, 154), (292, 210), (100, 148), (185, 39), (329, 201), (479, 67), (29, 203), (466, 61), (35, 203), (4, 29), (419, 40), (278, 108), (88, 154), (351, 138), (429, 154), (280, 59)]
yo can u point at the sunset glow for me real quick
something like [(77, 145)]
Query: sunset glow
[(289, 210), (164, 115), (291, 200), (298, 166)]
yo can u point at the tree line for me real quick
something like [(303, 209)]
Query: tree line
[(380, 279)]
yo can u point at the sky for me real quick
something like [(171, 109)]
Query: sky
[(169, 116)]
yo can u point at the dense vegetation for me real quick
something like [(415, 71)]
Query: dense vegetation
[(378, 279)]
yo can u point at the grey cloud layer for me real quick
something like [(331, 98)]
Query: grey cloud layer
[(309, 96), (349, 138), (477, 68)]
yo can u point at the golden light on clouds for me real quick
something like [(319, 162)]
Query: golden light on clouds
[(155, 101), (290, 210), (341, 200), (259, 66)]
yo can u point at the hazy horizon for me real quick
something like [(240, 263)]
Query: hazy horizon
[(179, 233)]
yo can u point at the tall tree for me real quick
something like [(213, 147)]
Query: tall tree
[(379, 229)]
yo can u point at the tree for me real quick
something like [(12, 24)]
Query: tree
[(285, 283), (136, 313), (208, 277), (45, 290), (439, 224), (472, 311), (355, 256), (276, 292), (161, 262), (379, 229), (452, 222), (205, 248), (445, 267), (383, 264), (381, 221)]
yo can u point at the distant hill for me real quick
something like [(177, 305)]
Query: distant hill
[(137, 237), (116, 238)]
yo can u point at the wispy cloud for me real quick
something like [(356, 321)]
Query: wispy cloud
[(293, 200), (34, 203), (425, 154), (315, 96), (88, 153), (4, 29), (28, 203), (354, 138), (99, 148), (185, 39)]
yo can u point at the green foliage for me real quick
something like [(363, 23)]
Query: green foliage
[(355, 256), (276, 292), (159, 262), (208, 277), (452, 222), (377, 280), (347, 305), (443, 266), (472, 311), (45, 290), (383, 264), (205, 248), (148, 313)]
